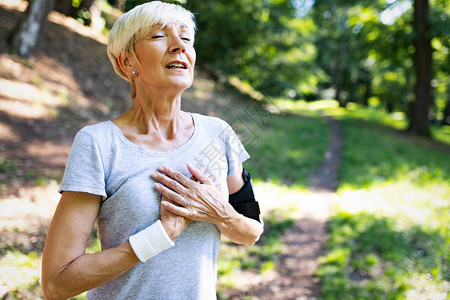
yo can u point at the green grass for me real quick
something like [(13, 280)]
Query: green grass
[(283, 153), (441, 133), (395, 120), (373, 153), (8, 166), (373, 257), (390, 237), (288, 150), (259, 259), (20, 275)]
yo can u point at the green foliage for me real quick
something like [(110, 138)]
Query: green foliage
[(20, 274), (441, 133), (261, 42), (288, 149), (390, 238), (7, 166), (348, 50), (380, 155), (370, 258)]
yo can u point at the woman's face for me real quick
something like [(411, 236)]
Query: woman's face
[(167, 57)]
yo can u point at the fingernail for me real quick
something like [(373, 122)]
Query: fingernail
[(154, 174), (161, 168)]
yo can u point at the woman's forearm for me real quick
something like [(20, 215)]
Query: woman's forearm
[(87, 271), (241, 230)]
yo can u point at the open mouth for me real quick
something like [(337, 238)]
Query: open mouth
[(176, 65)]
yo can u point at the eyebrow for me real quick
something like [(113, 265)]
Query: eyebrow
[(181, 26)]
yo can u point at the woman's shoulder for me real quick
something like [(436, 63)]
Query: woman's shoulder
[(97, 128), (210, 121), (99, 132)]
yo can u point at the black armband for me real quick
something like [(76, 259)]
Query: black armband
[(243, 201)]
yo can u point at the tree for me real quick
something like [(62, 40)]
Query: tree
[(419, 122), (24, 37), (86, 11), (341, 57), (344, 50), (259, 41)]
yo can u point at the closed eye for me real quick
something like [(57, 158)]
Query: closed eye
[(186, 39)]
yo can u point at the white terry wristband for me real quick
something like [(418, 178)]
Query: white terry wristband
[(150, 241)]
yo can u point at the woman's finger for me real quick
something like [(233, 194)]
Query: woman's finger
[(171, 195), (212, 177), (176, 176), (177, 210), (173, 184), (200, 176), (202, 169)]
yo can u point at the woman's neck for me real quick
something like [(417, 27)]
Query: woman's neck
[(152, 114), (156, 122)]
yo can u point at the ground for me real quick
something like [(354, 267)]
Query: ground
[(294, 275), (70, 83)]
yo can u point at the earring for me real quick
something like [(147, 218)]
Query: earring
[(133, 72)]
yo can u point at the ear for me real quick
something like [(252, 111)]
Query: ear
[(126, 64)]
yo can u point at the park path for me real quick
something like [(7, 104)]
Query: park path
[(294, 275)]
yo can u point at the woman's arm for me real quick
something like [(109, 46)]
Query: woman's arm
[(202, 201), (244, 227), (66, 269)]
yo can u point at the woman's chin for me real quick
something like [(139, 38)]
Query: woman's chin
[(181, 83)]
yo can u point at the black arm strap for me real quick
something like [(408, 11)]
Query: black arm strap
[(243, 201)]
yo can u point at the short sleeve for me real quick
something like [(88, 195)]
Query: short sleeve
[(235, 151), (84, 168)]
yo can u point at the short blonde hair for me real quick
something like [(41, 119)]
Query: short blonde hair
[(136, 24)]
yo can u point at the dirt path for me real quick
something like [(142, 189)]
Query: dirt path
[(325, 179), (294, 276)]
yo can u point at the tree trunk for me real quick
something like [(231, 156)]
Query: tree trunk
[(97, 22), (340, 73), (446, 117), (341, 60), (367, 93), (24, 37), (419, 122), (63, 6)]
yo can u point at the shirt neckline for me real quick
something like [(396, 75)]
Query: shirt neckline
[(187, 145)]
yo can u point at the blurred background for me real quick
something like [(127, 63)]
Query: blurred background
[(343, 105)]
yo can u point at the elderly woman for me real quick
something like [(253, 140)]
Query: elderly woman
[(141, 177)]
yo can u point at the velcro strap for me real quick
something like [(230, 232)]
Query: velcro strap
[(243, 201), (245, 194), (248, 209)]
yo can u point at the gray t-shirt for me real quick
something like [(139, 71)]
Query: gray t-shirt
[(104, 162)]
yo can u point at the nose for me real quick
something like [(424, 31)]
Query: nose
[(178, 49), (177, 45)]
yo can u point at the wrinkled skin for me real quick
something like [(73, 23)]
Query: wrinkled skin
[(199, 200)]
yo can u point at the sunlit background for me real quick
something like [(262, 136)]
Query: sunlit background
[(280, 72)]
